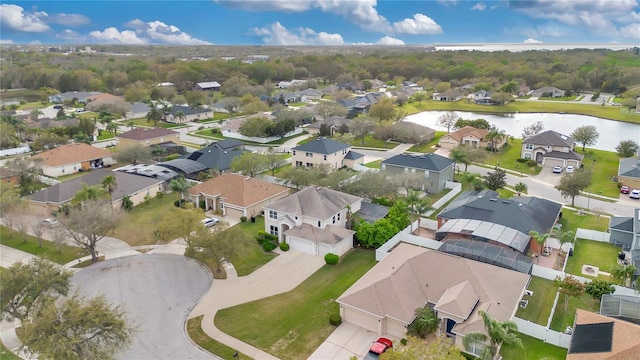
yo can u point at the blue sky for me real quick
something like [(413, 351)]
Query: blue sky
[(320, 22)]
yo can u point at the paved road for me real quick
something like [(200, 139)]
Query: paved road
[(160, 289)]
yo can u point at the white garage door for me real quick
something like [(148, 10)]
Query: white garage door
[(394, 328), (301, 245), (324, 249), (360, 319)]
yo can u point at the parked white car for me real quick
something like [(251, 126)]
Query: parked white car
[(210, 222), (634, 194), (569, 169), (49, 222), (557, 169)]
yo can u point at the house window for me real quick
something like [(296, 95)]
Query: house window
[(338, 216), (475, 348), (309, 154), (426, 174), (333, 219), (528, 146), (527, 156), (273, 230), (406, 170), (319, 223), (273, 214), (413, 171), (299, 163), (63, 171), (325, 157), (309, 165), (294, 153)]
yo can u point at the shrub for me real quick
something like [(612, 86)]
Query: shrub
[(331, 259), (171, 157), (243, 218), (179, 203), (335, 319), (202, 204), (284, 246), (268, 246), (201, 127), (215, 131), (403, 341), (159, 195)]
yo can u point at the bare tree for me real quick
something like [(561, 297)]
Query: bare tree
[(39, 231), (448, 120)]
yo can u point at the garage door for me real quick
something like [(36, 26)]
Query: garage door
[(232, 212), (447, 144), (549, 162), (324, 249), (301, 245), (394, 328), (360, 319)]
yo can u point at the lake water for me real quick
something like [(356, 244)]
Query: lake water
[(611, 132)]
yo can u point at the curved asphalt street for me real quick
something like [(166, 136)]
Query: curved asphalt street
[(161, 289)]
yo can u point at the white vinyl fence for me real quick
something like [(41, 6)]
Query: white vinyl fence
[(261, 140), (406, 236), (15, 151), (543, 333), (455, 190), (592, 235)]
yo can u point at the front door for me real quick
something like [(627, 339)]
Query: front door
[(539, 158)]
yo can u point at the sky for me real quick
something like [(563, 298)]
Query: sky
[(320, 22)]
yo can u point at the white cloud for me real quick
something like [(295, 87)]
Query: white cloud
[(388, 40), (361, 12), (419, 24), (69, 35), (6, 42), (479, 7), (268, 5), (111, 35), (69, 19), (448, 2), (532, 41), (631, 31), (277, 34), (160, 32), (13, 17)]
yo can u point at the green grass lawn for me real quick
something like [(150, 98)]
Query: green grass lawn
[(194, 329), (139, 226), (589, 252), (255, 257), (437, 196), (571, 221), (217, 117), (370, 142), (562, 319), (430, 146), (105, 135), (292, 325), (298, 104), (564, 98), (604, 168), (505, 193), (539, 307), (6, 354), (534, 349), (507, 158), (60, 254), (374, 164)]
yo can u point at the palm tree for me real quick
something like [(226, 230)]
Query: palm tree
[(460, 157), (540, 240), (112, 127), (417, 205), (565, 237), (348, 217), (93, 192), (131, 124), (495, 135), (498, 333), (520, 188), (154, 115), (180, 116), (425, 322), (180, 185), (35, 114), (623, 273), (109, 184)]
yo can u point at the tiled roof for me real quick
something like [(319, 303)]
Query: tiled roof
[(71, 154), (147, 133), (551, 138), (322, 146), (314, 202), (238, 189), (429, 162)]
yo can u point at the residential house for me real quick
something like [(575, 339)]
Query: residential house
[(599, 337), (80, 96), (237, 195), (190, 114), (108, 102), (73, 158), (410, 277), (9, 176), (431, 171), (468, 136), (52, 198), (150, 170), (286, 84), (148, 137), (450, 95), (548, 91), (165, 84), (360, 104), (550, 148), (334, 123), (324, 151), (313, 220), (217, 155), (138, 110), (483, 216), (309, 94), (207, 86), (629, 172), (625, 233)]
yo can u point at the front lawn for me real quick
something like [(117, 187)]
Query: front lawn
[(194, 329), (605, 166), (534, 349), (6, 354), (292, 325), (105, 135), (139, 225), (564, 98), (539, 307), (595, 253), (507, 158), (374, 164), (431, 145), (562, 319), (371, 142), (255, 256), (572, 221), (58, 253)]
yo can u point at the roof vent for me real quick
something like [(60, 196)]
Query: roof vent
[(247, 178), (505, 202), (492, 199), (520, 204)]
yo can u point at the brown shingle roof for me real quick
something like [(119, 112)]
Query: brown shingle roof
[(626, 338), (71, 153), (146, 134), (238, 189), (330, 234), (468, 130), (410, 276), (314, 202)]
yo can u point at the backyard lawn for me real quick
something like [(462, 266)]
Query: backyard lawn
[(562, 319), (534, 349), (571, 221), (60, 254), (370, 142), (292, 325), (507, 158), (589, 252), (605, 167), (255, 257), (539, 307), (139, 225), (374, 164)]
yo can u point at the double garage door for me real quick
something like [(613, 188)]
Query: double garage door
[(307, 247)]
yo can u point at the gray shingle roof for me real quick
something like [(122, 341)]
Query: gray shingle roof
[(622, 223), (146, 133), (127, 184), (188, 110), (186, 166), (352, 155), (629, 167), (314, 202), (322, 146), (429, 162), (522, 213), (214, 157), (571, 155), (330, 234), (550, 137)]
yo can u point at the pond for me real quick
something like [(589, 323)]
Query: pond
[(611, 131)]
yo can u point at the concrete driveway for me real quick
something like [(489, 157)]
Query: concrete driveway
[(157, 291), (345, 342)]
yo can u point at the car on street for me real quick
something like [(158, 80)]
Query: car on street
[(624, 189), (210, 222), (381, 345), (569, 169), (634, 194), (557, 169), (49, 222)]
